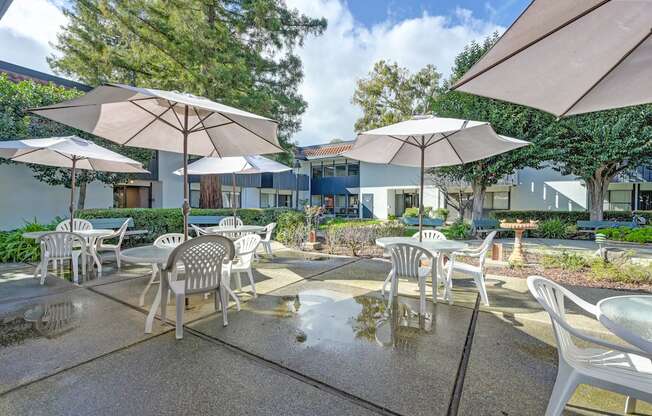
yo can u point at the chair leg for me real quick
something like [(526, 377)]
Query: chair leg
[(224, 300), (44, 268), (180, 305), (238, 281), (630, 405), (165, 292), (386, 282), (422, 295), (226, 284), (482, 288), (75, 264), (141, 301), (117, 257), (251, 280), (565, 386)]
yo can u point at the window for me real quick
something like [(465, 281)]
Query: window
[(226, 199), (645, 200), (285, 201), (353, 205), (329, 204), (501, 200), (340, 170), (267, 200), (340, 204), (329, 170), (315, 200), (354, 170), (316, 171), (620, 200), (195, 192)]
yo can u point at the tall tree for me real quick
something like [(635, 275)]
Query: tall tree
[(598, 146), (17, 123), (238, 52), (391, 94), (507, 119)]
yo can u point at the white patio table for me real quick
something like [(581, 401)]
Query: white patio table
[(628, 317), (90, 236), (243, 229), (447, 247)]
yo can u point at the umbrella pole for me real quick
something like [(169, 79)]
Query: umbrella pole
[(233, 194), (186, 193), (423, 151), (72, 191)]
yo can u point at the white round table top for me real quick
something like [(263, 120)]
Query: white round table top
[(240, 229), (146, 254), (430, 245), (629, 317), (96, 232)]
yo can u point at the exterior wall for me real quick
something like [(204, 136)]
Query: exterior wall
[(169, 194), (25, 198), (251, 198), (547, 189)]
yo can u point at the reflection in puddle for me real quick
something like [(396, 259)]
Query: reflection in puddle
[(326, 315), (46, 320)]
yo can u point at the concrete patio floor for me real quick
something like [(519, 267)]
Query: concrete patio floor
[(318, 340)]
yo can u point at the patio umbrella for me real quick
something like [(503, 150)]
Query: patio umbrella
[(427, 142), (233, 165), (168, 121), (69, 152), (570, 57)]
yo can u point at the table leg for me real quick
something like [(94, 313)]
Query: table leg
[(449, 280), (149, 322), (141, 300)]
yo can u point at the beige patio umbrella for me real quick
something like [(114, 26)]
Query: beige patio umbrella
[(570, 57), (246, 165), (69, 152), (168, 121), (427, 142)]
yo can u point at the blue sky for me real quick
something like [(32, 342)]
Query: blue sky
[(412, 33)]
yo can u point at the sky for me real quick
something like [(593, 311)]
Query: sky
[(413, 33)]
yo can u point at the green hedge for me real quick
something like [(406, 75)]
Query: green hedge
[(569, 217), (632, 235), (170, 220)]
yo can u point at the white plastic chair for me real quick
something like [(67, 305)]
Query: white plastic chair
[(59, 246), (245, 248), (115, 248), (477, 272), (78, 224), (430, 235), (406, 263), (266, 241), (169, 240), (199, 231), (230, 222), (605, 365), (206, 263)]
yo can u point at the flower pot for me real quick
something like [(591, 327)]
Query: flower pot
[(312, 236)]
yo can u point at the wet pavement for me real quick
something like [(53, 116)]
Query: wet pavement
[(318, 340)]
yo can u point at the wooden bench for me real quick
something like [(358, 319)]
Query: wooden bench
[(115, 223), (203, 220), (591, 227), (427, 222), (485, 226)]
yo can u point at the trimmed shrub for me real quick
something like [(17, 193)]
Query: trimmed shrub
[(569, 217), (441, 213), (414, 212), (632, 235), (554, 228), (459, 230), (291, 228), (356, 235), (565, 261)]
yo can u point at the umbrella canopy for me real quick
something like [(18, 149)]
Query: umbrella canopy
[(570, 57), (233, 165), (168, 121), (69, 152), (428, 142)]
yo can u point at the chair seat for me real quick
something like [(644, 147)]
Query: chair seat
[(633, 370), (107, 247), (177, 286), (463, 267)]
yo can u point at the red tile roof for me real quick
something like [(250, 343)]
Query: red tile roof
[(329, 150)]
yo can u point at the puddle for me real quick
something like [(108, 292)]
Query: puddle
[(44, 320), (329, 316)]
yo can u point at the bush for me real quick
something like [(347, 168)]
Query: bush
[(632, 235), (290, 225), (459, 230), (621, 271), (569, 217), (345, 222), (441, 213), (414, 212), (15, 248), (554, 228), (565, 261), (356, 235)]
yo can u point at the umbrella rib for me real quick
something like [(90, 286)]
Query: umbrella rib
[(595, 84), (201, 120), (204, 128), (156, 117), (26, 153), (443, 137), (145, 126), (429, 139), (252, 132), (175, 113), (396, 154), (453, 147), (401, 140), (210, 139), (537, 40)]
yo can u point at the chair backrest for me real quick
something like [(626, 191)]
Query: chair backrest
[(485, 246), (169, 240), (430, 235), (231, 222), (406, 259), (202, 259), (122, 231), (111, 223), (245, 248), (60, 244), (78, 224), (269, 229), (198, 230)]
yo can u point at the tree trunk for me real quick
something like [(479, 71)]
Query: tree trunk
[(596, 188), (210, 192), (479, 192), (81, 199)]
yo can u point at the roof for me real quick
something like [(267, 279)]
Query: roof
[(19, 73), (322, 151), (4, 5)]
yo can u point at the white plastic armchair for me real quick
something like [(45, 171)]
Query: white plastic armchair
[(199, 231), (59, 246), (266, 241), (245, 248), (115, 248), (605, 365), (230, 222), (206, 265), (169, 240), (477, 272), (78, 224), (406, 263)]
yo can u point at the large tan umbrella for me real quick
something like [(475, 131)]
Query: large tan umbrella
[(168, 121), (570, 57), (69, 152), (427, 142)]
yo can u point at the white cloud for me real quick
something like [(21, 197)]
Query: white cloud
[(26, 31), (347, 51)]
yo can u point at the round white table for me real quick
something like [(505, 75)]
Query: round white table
[(630, 318), (243, 229), (90, 236), (447, 247)]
